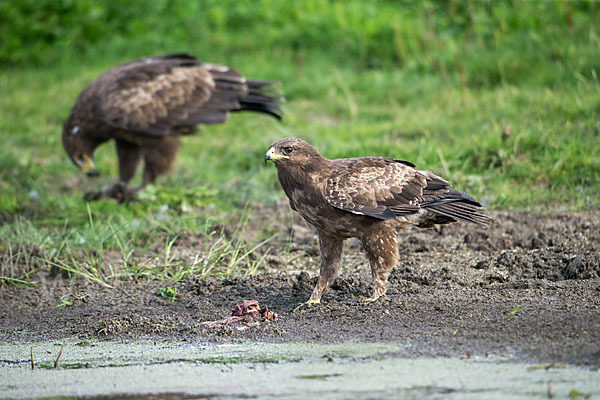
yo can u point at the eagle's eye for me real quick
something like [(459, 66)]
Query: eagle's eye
[(288, 149)]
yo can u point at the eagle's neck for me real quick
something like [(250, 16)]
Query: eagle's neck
[(304, 177), (301, 174)]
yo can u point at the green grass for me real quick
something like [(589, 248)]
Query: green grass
[(167, 293), (435, 84)]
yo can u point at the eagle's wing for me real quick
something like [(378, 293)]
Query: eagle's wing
[(155, 96), (385, 188), (378, 187)]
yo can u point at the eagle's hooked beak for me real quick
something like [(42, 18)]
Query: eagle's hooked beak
[(86, 165), (271, 155)]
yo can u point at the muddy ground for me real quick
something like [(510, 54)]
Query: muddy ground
[(451, 294)]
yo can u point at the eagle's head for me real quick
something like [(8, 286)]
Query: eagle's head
[(79, 147), (291, 152)]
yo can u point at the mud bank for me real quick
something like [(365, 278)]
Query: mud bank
[(527, 288)]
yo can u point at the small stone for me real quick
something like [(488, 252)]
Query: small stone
[(536, 243), (541, 236), (574, 267), (575, 262), (480, 265)]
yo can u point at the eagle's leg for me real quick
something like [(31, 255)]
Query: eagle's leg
[(382, 252), (158, 158), (331, 253), (129, 156)]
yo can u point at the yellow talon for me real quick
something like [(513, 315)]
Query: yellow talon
[(373, 298), (309, 303)]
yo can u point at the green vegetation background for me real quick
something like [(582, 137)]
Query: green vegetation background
[(433, 82)]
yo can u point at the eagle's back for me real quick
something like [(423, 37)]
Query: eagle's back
[(159, 96)]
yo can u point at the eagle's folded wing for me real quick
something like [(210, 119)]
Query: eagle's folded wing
[(378, 187), (155, 96)]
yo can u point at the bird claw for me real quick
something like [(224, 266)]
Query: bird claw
[(308, 304), (92, 196), (119, 191), (372, 298)]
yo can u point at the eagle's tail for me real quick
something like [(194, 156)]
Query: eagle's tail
[(262, 98), (460, 206)]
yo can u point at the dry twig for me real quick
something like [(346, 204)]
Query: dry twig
[(59, 353)]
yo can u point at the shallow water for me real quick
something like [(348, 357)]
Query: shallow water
[(261, 370)]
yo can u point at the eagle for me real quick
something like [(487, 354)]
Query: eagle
[(145, 105), (368, 198)]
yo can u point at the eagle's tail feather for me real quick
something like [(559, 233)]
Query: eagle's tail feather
[(261, 98), (462, 211), (459, 206)]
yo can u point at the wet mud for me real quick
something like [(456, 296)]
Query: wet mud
[(526, 288)]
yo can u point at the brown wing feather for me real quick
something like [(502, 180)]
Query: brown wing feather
[(447, 204), (155, 96), (378, 187)]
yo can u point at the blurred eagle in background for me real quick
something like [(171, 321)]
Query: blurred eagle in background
[(368, 198), (146, 104)]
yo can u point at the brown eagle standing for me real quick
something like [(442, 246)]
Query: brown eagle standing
[(369, 198), (146, 104)]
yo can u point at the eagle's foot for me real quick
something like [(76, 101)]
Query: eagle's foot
[(377, 293), (372, 298), (308, 304), (92, 196), (119, 191), (379, 289)]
